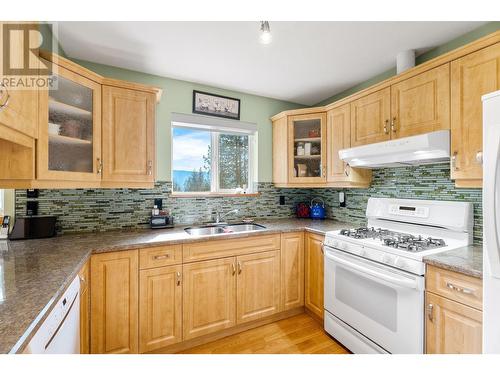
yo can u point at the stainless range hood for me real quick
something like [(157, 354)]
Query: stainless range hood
[(426, 148)]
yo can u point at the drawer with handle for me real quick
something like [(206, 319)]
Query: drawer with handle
[(230, 247), (160, 256), (456, 286)]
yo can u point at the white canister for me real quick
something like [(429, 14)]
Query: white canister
[(300, 149), (307, 148)]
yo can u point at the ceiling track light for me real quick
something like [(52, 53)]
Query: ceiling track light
[(265, 32)]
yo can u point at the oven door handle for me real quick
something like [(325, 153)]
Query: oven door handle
[(403, 282)]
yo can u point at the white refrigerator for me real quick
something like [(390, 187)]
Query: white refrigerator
[(491, 222)]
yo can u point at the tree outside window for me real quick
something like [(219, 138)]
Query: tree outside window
[(208, 161)]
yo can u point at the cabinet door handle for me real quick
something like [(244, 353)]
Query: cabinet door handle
[(150, 167), (393, 125), (322, 248), (347, 169), (99, 166), (239, 268), (454, 161), (7, 96), (459, 289), (164, 256), (479, 157), (178, 278), (430, 312), (82, 279), (386, 127), (234, 268)]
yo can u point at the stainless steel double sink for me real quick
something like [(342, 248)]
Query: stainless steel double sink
[(207, 230)]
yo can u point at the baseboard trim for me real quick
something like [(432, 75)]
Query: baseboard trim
[(315, 316)]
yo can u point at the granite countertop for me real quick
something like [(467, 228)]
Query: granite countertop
[(467, 260), (34, 273)]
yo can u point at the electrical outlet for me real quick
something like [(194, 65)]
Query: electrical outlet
[(341, 199), (159, 203)]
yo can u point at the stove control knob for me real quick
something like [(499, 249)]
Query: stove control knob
[(343, 246), (335, 243)]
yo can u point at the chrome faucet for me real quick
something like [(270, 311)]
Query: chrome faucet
[(219, 216)]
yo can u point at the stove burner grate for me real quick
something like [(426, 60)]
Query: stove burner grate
[(396, 240)]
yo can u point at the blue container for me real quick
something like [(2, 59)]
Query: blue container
[(317, 209)]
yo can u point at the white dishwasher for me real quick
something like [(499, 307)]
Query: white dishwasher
[(60, 332)]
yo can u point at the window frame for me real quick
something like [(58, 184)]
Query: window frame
[(214, 172)]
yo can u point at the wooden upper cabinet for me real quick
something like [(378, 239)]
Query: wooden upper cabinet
[(338, 138), (292, 270), (258, 286), (280, 151), (209, 297), (69, 144), (471, 77), (160, 307), (451, 327), (421, 104), (128, 136), (19, 107), (20, 115), (370, 118), (114, 302), (17, 164), (307, 148), (314, 299)]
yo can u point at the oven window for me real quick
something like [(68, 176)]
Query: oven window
[(376, 301)]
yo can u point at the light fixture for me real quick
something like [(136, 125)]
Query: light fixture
[(265, 32)]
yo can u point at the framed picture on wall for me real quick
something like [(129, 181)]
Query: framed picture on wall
[(205, 103)]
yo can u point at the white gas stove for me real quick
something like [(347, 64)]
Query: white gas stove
[(374, 275), (401, 232)]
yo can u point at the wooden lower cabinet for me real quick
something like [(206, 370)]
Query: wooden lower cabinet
[(314, 274), (209, 296), (114, 302), (160, 307), (258, 286), (139, 304), (84, 276), (452, 327), (292, 270)]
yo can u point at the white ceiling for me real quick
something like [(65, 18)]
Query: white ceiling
[(305, 63)]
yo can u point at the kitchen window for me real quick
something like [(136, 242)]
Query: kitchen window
[(212, 156)]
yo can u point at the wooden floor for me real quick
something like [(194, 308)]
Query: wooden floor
[(300, 334)]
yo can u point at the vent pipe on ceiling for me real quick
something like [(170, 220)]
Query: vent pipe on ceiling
[(405, 60)]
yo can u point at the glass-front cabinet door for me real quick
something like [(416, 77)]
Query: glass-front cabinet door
[(70, 129), (307, 148)]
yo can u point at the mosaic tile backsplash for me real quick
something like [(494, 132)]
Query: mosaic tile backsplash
[(86, 210), (420, 182)]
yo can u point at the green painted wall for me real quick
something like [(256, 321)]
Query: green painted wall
[(47, 34), (451, 45), (177, 97)]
